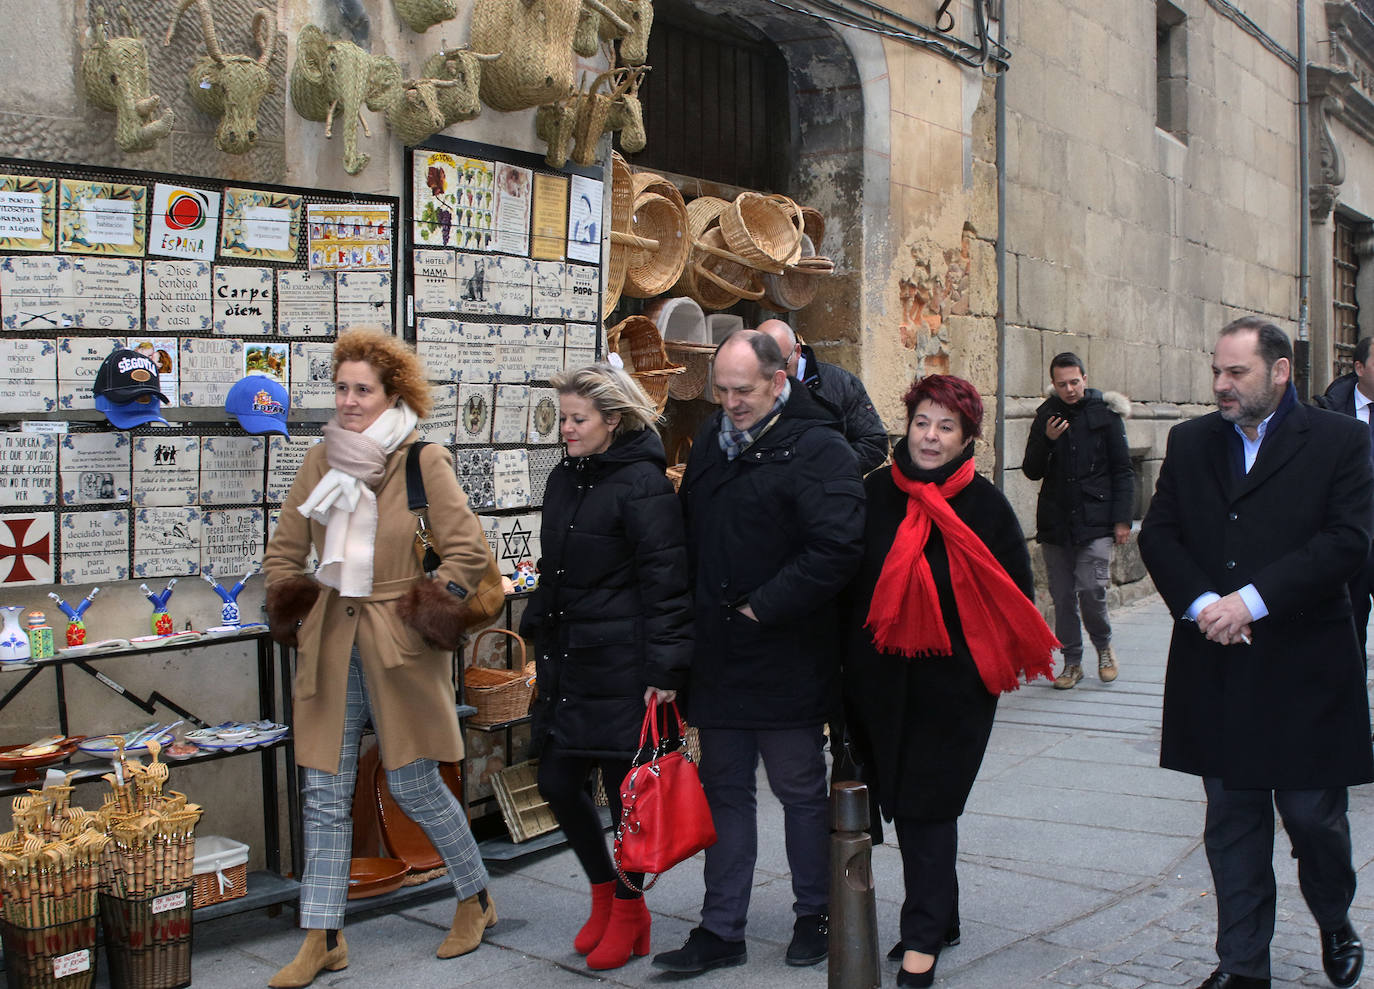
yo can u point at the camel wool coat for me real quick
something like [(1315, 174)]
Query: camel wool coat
[(409, 682)]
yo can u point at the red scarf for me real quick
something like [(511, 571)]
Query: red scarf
[(1004, 631)]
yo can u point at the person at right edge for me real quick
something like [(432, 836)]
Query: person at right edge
[(1259, 518), (1077, 444)]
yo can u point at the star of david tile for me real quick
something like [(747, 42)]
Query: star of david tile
[(515, 543)]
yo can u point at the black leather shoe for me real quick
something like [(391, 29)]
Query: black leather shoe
[(702, 952), (1225, 980), (920, 980), (952, 937), (1342, 955), (810, 940)]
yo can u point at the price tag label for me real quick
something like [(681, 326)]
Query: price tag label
[(71, 964), (172, 901)]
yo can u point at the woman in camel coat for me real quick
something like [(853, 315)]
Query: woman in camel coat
[(374, 636)]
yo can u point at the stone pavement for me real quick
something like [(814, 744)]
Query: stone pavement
[(1080, 865)]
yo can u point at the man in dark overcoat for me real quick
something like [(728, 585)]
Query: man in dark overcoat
[(775, 515), (1260, 516)]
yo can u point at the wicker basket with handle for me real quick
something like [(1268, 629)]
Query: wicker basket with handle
[(640, 346), (765, 231), (498, 695), (622, 213), (651, 271)]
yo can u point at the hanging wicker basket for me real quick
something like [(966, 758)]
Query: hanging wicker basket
[(765, 231), (498, 695), (651, 271), (721, 277), (699, 281), (813, 225), (653, 182), (687, 341), (622, 212), (796, 286), (681, 451), (640, 346)]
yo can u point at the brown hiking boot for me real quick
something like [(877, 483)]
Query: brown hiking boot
[(1106, 664), (1071, 675)]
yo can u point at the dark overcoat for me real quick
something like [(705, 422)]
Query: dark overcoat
[(611, 615), (1288, 711), (781, 528), (923, 723)]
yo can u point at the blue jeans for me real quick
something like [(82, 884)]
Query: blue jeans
[(795, 764)]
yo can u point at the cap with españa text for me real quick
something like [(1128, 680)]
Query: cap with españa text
[(260, 403)]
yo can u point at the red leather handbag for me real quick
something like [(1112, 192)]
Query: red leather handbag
[(665, 818)]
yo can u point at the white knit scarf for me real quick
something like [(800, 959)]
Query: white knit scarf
[(345, 499)]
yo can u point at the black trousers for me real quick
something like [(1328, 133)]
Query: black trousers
[(565, 782), (1239, 837), (930, 850)]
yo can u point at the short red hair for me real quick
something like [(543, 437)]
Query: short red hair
[(953, 393)]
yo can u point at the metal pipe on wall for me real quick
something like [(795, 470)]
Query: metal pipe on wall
[(1000, 253), (1303, 373)]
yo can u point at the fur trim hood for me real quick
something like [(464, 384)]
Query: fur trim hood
[(1114, 400)]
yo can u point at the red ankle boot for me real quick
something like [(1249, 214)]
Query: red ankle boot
[(626, 934), (590, 935)]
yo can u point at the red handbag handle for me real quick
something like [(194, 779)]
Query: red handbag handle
[(647, 731)]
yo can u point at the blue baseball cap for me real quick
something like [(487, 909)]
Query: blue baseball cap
[(135, 412), (260, 404)]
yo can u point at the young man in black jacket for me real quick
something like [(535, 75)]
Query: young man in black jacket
[(1077, 445)]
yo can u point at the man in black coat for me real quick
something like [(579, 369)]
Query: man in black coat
[(1260, 515), (1077, 445), (775, 512), (839, 391), (1352, 394)]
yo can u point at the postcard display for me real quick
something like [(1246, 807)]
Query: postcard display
[(213, 280), (505, 292)]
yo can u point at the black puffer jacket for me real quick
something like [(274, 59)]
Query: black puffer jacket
[(781, 528), (1089, 485), (845, 396), (1339, 395), (611, 615)]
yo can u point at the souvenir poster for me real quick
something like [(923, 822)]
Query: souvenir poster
[(166, 542), (26, 549), (434, 277), (475, 468), (243, 300), (166, 471), (260, 225), (95, 467), (78, 360), (95, 547), (474, 413), (512, 209), (209, 368), (550, 217), (36, 292), (542, 463), (439, 426), (434, 178), (107, 293), (284, 459), (364, 300), (28, 470), (584, 285), (513, 353), (305, 303), (312, 375), (543, 427), (579, 345), (231, 542), (184, 224), (267, 357), (549, 290), (544, 350), (510, 420), (103, 218), (511, 476), (474, 205), (28, 212), (177, 296), (28, 375), (584, 220), (231, 469), (348, 236), (164, 351)]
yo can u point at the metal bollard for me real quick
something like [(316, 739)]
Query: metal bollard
[(853, 961)]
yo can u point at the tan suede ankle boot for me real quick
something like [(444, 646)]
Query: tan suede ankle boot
[(470, 919), (310, 961)]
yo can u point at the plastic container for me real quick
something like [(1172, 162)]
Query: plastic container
[(59, 956), (148, 940), (220, 871)]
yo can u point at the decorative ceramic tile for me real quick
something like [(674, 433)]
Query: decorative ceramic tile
[(579, 345), (543, 422), (269, 357), (479, 353), (177, 296), (209, 368), (511, 477), (95, 467), (260, 225), (518, 542), (510, 421), (108, 293), (312, 375), (434, 181), (231, 542), (243, 301), (544, 349), (349, 236), (436, 288), (166, 542), (28, 469), (474, 413), (363, 316), (583, 290), (36, 292), (28, 212), (95, 547), (185, 223), (166, 470), (513, 352), (28, 375), (26, 549), (102, 218), (435, 329), (231, 469), (305, 303), (550, 296), (493, 284), (364, 299), (312, 560), (441, 359), (542, 463), (284, 459), (78, 360), (442, 422), (476, 475)]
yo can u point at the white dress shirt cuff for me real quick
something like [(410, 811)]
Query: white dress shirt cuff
[(1203, 600), (1253, 601)]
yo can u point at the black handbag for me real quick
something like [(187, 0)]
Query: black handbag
[(418, 502)]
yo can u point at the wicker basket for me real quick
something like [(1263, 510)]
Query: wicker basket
[(622, 212), (215, 857), (498, 695), (720, 276), (813, 225), (641, 348), (526, 813), (651, 271), (765, 231), (696, 358), (681, 451), (653, 182), (535, 42), (796, 286)]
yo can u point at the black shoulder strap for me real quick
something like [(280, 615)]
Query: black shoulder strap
[(415, 481)]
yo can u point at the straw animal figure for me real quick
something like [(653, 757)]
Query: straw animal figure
[(627, 113), (553, 124), (230, 87), (421, 15), (114, 71), (463, 66), (535, 38), (629, 21), (332, 76)]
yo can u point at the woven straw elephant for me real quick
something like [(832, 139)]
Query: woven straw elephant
[(230, 87), (114, 71), (628, 20), (335, 77)]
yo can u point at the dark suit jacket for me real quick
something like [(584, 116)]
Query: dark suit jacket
[(1289, 711)]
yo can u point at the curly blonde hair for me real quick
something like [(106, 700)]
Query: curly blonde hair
[(396, 363)]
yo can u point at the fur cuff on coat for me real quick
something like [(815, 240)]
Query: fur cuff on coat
[(288, 602), (440, 617)]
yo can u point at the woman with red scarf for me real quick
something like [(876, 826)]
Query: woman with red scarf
[(941, 623)]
